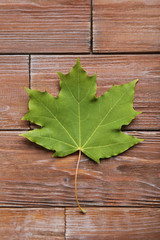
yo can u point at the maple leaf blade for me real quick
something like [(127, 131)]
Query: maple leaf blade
[(77, 84), (51, 113), (44, 138), (115, 108), (111, 110), (77, 90), (43, 111), (39, 107), (119, 143), (77, 120)]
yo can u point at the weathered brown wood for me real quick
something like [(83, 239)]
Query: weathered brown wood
[(32, 224), (113, 223), (44, 26), (122, 194), (31, 177), (126, 26), (110, 70), (14, 76)]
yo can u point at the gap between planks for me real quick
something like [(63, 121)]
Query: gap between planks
[(81, 53)]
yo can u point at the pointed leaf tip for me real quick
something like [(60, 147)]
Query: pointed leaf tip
[(26, 88), (78, 62), (135, 81), (21, 135), (59, 74)]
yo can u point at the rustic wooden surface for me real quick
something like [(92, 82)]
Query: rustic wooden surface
[(46, 26), (113, 223), (31, 224), (120, 41), (98, 223), (14, 75), (31, 177), (126, 26)]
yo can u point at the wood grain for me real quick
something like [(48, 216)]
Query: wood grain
[(32, 224), (113, 223), (110, 70), (31, 177), (126, 26), (44, 26), (14, 76)]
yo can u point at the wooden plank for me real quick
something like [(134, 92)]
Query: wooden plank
[(126, 26), (14, 75), (34, 26), (31, 177), (110, 70), (31, 224), (113, 223)]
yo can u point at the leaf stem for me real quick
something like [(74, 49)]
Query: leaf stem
[(79, 156)]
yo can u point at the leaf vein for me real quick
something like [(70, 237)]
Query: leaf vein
[(108, 145), (103, 119), (57, 140), (56, 119)]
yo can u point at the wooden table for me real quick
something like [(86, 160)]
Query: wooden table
[(119, 40)]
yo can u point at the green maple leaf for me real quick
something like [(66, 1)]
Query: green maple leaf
[(77, 120)]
